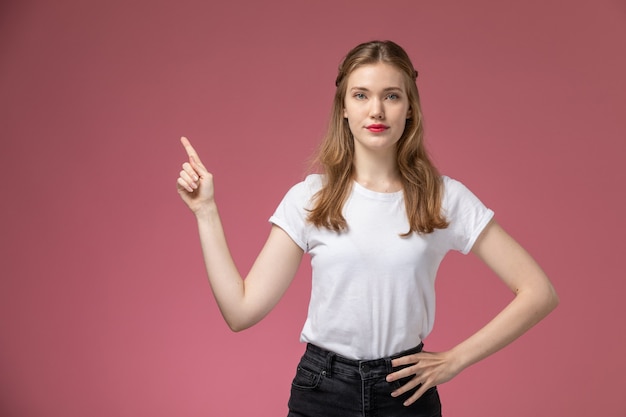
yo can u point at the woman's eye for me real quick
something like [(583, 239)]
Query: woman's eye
[(393, 96), (359, 96)]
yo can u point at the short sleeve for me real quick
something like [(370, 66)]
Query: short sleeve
[(291, 214), (466, 214)]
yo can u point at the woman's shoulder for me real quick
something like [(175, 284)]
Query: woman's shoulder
[(457, 195), (454, 191), (305, 189), (314, 180), (450, 185), (311, 184)]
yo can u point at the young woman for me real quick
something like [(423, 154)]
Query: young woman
[(377, 224)]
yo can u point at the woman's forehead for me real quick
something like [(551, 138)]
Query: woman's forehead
[(376, 76)]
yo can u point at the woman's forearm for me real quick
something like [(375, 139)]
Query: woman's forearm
[(226, 282), (527, 308)]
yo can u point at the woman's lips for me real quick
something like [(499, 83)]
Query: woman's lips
[(377, 128)]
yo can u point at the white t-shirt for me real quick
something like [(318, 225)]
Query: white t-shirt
[(373, 292)]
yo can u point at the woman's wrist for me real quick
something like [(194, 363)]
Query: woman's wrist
[(206, 211), (461, 358)]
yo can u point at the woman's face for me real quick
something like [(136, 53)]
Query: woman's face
[(376, 106)]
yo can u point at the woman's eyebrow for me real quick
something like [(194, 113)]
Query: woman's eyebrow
[(384, 90)]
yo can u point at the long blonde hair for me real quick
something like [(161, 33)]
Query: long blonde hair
[(421, 181)]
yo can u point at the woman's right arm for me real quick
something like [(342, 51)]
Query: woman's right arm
[(243, 302)]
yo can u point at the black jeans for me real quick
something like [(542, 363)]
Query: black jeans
[(329, 385)]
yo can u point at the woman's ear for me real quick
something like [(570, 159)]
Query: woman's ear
[(345, 113)]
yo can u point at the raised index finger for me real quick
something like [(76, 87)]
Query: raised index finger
[(190, 150)]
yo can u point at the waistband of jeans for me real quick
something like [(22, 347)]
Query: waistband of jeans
[(356, 363)]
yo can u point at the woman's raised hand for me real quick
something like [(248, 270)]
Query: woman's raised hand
[(195, 183)]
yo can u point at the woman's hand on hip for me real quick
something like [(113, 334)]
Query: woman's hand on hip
[(427, 370)]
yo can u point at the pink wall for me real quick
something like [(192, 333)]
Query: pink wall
[(104, 308)]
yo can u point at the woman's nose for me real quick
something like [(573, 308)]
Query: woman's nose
[(376, 110)]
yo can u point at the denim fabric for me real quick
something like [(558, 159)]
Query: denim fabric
[(328, 385)]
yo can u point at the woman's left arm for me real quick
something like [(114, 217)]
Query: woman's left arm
[(534, 299)]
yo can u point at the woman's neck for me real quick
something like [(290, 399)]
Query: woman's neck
[(377, 173)]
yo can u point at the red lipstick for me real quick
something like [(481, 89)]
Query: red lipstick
[(377, 128)]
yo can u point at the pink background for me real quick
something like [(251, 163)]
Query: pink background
[(104, 306)]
